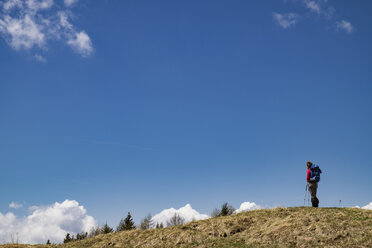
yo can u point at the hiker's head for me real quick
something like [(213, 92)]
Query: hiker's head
[(309, 164)]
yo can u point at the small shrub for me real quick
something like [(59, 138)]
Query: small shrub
[(225, 210)]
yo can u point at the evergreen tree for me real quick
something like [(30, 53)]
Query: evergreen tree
[(159, 225), (126, 224), (106, 229), (48, 242), (68, 238), (225, 210), (81, 236)]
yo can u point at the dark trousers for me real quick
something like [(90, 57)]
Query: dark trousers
[(313, 186)]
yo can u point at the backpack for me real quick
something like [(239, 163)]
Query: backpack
[(315, 172)]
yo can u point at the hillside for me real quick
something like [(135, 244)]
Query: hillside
[(281, 227)]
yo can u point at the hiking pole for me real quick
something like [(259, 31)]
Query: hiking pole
[(305, 195)]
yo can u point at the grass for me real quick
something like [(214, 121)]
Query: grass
[(280, 227)]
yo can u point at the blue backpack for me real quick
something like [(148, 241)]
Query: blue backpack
[(315, 173)]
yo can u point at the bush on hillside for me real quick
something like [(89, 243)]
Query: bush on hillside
[(225, 210)]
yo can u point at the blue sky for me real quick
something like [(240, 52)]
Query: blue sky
[(144, 105)]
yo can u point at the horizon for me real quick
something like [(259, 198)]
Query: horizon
[(110, 107)]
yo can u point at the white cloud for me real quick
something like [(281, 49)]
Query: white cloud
[(247, 206), (286, 20), (187, 213), (313, 6), (22, 32), (345, 26), (68, 3), (10, 4), (322, 8), (52, 222), (81, 43), (368, 206), (15, 205), (7, 219), (30, 24), (36, 5), (63, 20), (40, 58)]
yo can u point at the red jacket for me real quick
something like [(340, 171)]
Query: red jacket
[(308, 175)]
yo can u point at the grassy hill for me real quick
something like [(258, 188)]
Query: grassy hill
[(280, 227)]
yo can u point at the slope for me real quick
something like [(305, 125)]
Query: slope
[(280, 227)]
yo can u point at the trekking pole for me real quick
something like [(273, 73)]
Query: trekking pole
[(305, 195)]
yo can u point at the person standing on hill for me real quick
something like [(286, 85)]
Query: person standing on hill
[(312, 183)]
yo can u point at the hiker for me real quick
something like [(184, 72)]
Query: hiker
[(313, 177)]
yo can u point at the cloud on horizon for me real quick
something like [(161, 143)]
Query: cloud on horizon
[(187, 213), (50, 222), (368, 206), (247, 206), (30, 24)]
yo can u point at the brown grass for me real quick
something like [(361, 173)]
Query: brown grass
[(280, 227)]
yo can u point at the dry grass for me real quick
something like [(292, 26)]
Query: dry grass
[(281, 227)]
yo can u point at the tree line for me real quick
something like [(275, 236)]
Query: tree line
[(127, 224)]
